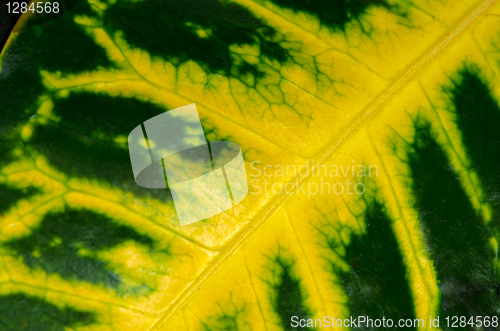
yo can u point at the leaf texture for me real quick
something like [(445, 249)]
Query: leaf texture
[(397, 99)]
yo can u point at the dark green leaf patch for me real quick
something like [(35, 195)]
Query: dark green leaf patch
[(377, 285), (19, 312), (478, 118), (56, 245), (83, 143), (335, 14), (59, 45), (197, 30), (456, 236), (9, 196), (288, 298)]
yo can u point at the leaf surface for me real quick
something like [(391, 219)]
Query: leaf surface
[(370, 136)]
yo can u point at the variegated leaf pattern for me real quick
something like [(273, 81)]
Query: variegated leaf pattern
[(370, 136)]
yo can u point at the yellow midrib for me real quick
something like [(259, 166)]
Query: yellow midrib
[(377, 104)]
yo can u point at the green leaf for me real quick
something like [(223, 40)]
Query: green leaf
[(369, 131)]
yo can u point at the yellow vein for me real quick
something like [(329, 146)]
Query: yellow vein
[(252, 227)]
